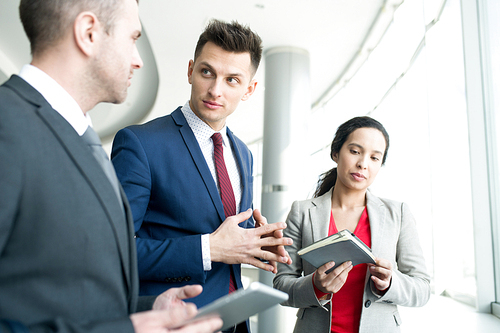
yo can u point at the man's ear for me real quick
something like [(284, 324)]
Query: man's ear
[(250, 90), (86, 29), (190, 71)]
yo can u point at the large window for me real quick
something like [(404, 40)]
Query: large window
[(413, 82)]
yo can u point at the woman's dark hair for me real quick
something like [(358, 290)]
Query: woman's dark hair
[(327, 180)]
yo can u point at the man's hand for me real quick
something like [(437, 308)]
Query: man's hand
[(261, 221), (331, 282), (169, 321), (174, 297), (232, 244), (170, 311)]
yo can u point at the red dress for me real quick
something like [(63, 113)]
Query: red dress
[(347, 302)]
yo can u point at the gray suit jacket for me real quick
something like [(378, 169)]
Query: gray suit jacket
[(67, 255), (393, 237)]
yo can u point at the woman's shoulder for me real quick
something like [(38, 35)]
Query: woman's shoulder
[(389, 203), (313, 202)]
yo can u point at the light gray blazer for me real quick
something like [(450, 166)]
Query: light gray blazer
[(393, 237)]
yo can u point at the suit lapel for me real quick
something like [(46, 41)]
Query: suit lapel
[(86, 164), (244, 172), (376, 214), (199, 160), (320, 216)]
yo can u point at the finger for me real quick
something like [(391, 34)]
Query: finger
[(275, 266), (268, 256), (340, 279), (380, 284), (207, 325), (274, 242), (189, 291), (260, 220), (279, 250), (278, 234), (261, 265), (322, 269), (241, 217), (381, 272), (383, 263), (175, 316), (269, 228), (346, 266)]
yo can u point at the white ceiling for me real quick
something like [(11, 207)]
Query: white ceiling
[(334, 32)]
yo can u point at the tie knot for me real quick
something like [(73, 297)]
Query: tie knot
[(91, 137), (217, 139)]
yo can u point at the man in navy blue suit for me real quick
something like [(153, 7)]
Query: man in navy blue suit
[(167, 169)]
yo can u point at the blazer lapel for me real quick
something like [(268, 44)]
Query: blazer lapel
[(85, 162), (242, 167), (199, 160), (376, 214), (319, 215)]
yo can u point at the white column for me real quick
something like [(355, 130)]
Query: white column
[(287, 103)]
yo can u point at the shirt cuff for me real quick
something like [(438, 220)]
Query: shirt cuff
[(205, 252)]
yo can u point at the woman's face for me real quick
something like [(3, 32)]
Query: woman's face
[(360, 158)]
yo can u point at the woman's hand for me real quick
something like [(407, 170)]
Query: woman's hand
[(334, 280), (381, 274)]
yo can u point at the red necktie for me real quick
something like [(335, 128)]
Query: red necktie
[(226, 189)]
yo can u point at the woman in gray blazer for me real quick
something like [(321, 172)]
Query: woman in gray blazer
[(363, 298)]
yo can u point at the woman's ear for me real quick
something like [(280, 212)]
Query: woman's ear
[(335, 157)]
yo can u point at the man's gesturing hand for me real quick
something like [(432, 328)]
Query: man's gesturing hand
[(261, 221), (232, 244)]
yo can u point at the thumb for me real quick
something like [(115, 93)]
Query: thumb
[(243, 216)]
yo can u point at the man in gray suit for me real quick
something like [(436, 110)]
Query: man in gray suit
[(67, 255)]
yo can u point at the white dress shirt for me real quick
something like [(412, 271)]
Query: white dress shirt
[(58, 98), (203, 134)]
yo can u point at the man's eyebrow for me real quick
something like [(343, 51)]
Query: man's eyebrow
[(210, 67)]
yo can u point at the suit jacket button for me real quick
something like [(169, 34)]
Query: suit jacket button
[(368, 303)]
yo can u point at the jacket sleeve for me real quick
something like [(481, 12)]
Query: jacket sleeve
[(176, 258), (60, 325), (410, 285), (289, 278)]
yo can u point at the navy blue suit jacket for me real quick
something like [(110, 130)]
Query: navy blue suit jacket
[(174, 201)]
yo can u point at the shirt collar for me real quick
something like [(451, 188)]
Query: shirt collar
[(202, 131), (57, 97)]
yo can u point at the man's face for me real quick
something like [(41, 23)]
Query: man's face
[(219, 81), (118, 56)]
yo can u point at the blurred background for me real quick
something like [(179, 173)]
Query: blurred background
[(427, 69)]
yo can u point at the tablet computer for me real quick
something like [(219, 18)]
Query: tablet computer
[(242, 304)]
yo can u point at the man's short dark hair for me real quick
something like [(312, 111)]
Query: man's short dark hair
[(232, 37), (47, 21)]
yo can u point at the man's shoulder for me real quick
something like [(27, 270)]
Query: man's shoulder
[(160, 124), (17, 105), (237, 140)]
